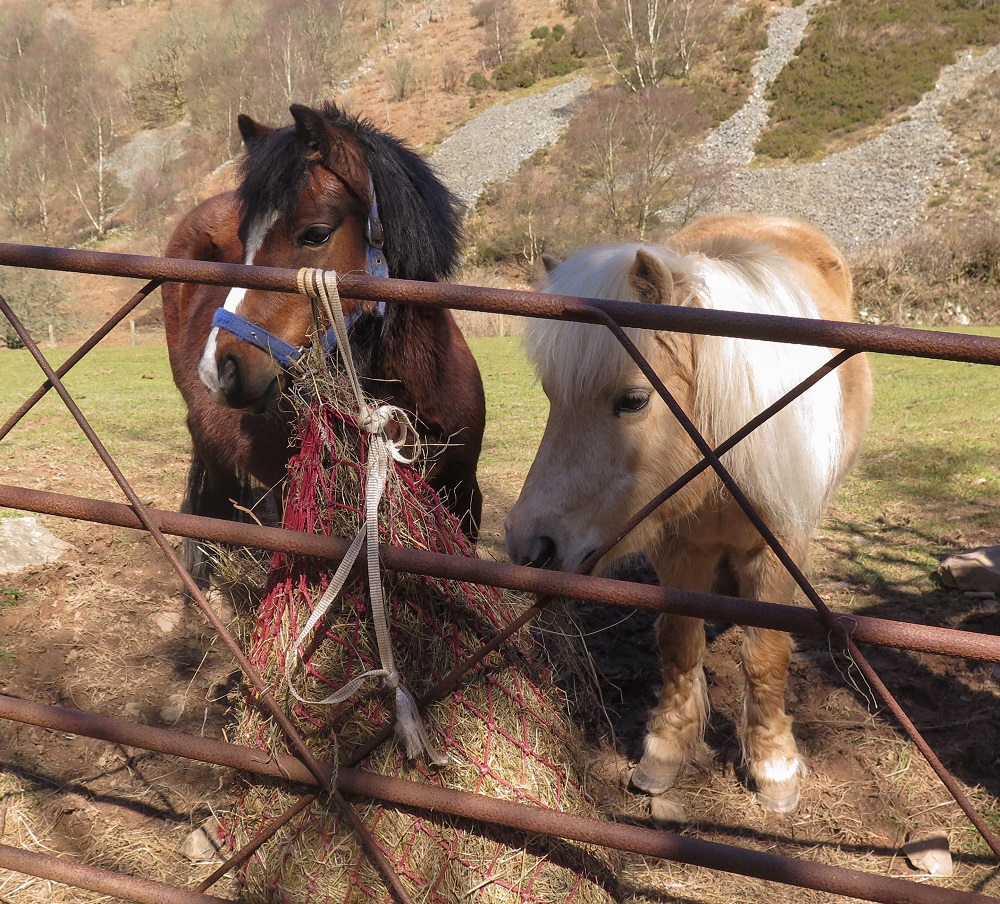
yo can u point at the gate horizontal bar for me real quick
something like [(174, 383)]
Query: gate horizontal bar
[(890, 340), (92, 878), (658, 843), (731, 610)]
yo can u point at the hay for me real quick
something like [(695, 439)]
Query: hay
[(504, 731)]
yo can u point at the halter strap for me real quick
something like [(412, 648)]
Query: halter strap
[(286, 354), (375, 238)]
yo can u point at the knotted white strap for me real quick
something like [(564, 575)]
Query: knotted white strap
[(321, 285)]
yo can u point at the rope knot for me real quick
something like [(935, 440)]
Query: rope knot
[(375, 419)]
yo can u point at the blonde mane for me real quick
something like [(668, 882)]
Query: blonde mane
[(784, 462)]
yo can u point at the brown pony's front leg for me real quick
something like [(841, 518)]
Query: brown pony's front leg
[(677, 724), (769, 749)]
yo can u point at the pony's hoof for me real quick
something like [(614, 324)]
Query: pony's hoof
[(779, 797), (654, 778)]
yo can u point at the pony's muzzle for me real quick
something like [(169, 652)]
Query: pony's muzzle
[(238, 387), (230, 377), (541, 552)]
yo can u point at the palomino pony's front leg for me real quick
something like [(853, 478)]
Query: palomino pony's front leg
[(769, 748), (676, 725)]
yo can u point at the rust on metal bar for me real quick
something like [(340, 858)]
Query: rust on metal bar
[(732, 610), (851, 337), (261, 838), (833, 334), (634, 839), (80, 875)]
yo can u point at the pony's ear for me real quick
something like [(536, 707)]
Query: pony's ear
[(656, 282), (326, 145), (312, 131), (251, 130), (651, 278), (550, 262)]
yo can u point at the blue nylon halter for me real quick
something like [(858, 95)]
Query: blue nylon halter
[(286, 354)]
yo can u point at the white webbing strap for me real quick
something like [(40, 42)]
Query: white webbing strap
[(321, 285)]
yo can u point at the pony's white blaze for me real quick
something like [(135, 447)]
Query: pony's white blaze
[(208, 366), (611, 444)]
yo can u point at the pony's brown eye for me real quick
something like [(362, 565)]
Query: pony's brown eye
[(315, 236), (631, 401)]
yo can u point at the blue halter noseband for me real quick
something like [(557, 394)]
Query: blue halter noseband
[(286, 354)]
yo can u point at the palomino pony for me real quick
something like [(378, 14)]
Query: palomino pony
[(330, 192), (611, 444)]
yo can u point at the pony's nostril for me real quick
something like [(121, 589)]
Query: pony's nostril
[(230, 378), (544, 554)]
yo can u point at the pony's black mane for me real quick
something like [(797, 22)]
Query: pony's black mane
[(421, 218)]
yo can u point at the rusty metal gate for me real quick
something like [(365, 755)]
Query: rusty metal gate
[(844, 631)]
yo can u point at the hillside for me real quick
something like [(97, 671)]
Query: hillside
[(424, 72)]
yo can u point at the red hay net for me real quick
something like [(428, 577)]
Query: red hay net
[(504, 731)]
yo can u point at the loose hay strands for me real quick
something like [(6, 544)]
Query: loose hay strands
[(504, 732)]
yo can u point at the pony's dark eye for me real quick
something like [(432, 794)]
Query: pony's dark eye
[(315, 236), (631, 401)]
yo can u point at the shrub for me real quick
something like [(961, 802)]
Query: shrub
[(451, 74), (861, 61), (556, 58), (952, 276), (403, 77), (36, 298), (977, 250), (516, 73), (478, 82)]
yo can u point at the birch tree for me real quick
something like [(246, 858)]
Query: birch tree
[(648, 41), (88, 147)]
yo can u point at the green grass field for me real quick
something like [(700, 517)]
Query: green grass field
[(927, 482)]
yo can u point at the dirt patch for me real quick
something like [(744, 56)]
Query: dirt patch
[(106, 630)]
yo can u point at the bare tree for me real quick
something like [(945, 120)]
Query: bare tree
[(158, 87), (691, 25), (34, 181), (500, 20), (88, 146), (52, 61), (645, 41), (535, 209), (219, 82), (633, 150), (300, 47), (402, 77), (44, 66), (19, 22)]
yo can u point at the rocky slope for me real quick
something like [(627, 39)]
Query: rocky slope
[(875, 191)]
